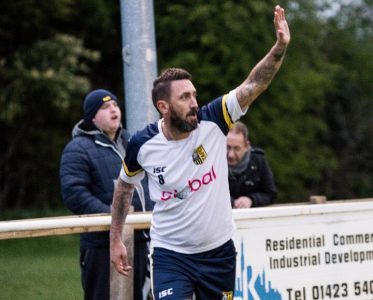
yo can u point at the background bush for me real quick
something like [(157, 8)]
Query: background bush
[(314, 122)]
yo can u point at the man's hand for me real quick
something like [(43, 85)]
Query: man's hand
[(118, 256), (281, 25), (243, 202)]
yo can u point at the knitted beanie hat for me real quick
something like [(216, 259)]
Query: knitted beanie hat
[(93, 102)]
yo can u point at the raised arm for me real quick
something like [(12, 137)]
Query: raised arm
[(122, 199), (262, 74)]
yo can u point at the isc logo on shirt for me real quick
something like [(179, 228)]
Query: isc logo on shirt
[(158, 170), (199, 155), (165, 293)]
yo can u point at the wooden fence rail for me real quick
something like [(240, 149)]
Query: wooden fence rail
[(122, 288)]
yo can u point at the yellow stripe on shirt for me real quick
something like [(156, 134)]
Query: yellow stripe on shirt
[(129, 173), (226, 114)]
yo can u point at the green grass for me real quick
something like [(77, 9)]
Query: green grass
[(40, 268), (9, 214)]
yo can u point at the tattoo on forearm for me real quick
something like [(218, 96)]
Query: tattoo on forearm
[(121, 204), (261, 76), (269, 67), (279, 55), (265, 73)]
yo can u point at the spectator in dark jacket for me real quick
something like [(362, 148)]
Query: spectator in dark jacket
[(90, 166), (251, 182)]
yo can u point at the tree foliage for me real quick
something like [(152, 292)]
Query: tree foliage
[(349, 107), (314, 122), (228, 38), (37, 100)]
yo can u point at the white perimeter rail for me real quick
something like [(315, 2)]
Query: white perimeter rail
[(121, 287), (66, 225), (101, 222)]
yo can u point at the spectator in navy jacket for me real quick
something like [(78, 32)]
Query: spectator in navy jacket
[(251, 182), (90, 166)]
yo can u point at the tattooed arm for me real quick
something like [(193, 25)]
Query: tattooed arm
[(262, 74), (121, 204)]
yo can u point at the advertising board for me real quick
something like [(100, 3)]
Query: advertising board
[(306, 252)]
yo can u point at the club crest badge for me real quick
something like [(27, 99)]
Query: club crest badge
[(199, 155), (227, 296), (106, 99)]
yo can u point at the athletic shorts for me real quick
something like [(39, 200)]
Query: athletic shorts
[(208, 275)]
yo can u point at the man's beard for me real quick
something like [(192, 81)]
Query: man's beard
[(180, 124)]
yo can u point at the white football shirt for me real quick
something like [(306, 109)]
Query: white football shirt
[(188, 179)]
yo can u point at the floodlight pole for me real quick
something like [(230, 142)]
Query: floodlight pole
[(139, 62)]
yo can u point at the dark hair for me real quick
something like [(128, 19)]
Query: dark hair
[(161, 85), (241, 128)]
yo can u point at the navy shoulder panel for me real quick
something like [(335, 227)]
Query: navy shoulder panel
[(216, 111), (134, 145)]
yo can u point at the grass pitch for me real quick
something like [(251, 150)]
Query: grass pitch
[(40, 268)]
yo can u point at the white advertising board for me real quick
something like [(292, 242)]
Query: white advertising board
[(307, 252)]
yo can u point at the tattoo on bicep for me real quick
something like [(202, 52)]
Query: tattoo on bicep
[(246, 92), (250, 89)]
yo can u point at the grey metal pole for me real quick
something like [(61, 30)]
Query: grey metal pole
[(139, 61)]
